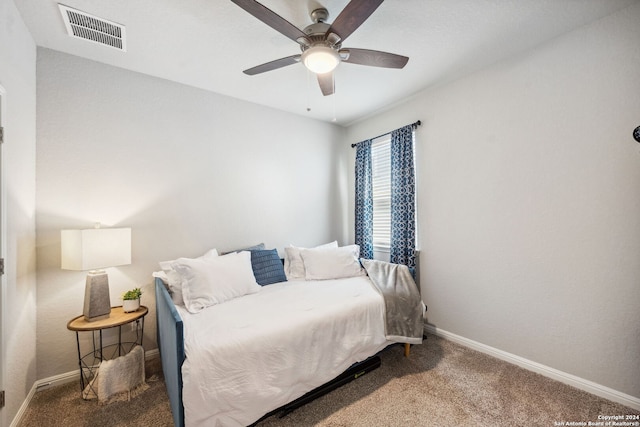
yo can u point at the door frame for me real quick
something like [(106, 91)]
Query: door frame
[(3, 252)]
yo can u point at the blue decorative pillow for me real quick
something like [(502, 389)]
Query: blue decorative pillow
[(267, 267)]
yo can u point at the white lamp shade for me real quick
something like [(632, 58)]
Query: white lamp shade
[(95, 248)]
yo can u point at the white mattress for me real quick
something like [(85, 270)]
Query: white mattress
[(251, 355)]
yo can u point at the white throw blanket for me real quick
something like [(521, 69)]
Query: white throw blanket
[(118, 379)]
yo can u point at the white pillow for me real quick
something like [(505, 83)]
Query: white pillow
[(293, 264), (166, 265), (332, 263), (173, 283), (207, 282), (174, 280)]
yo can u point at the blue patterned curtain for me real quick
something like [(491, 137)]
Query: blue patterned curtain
[(364, 200), (403, 198)]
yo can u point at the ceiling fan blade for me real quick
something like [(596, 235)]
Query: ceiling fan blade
[(352, 16), (272, 19), (374, 58), (326, 83), (273, 65)]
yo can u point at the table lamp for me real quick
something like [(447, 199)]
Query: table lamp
[(93, 250)]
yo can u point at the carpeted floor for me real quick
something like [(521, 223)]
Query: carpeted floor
[(440, 384), (62, 406)]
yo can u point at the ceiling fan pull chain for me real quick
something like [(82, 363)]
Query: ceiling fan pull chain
[(333, 75), (308, 91)]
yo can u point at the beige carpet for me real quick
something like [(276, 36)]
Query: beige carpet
[(440, 384)]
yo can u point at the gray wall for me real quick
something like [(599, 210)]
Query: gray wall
[(529, 202), (186, 169), (18, 290)]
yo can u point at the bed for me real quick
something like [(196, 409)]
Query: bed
[(231, 362)]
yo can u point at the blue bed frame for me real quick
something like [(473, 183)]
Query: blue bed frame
[(171, 345)]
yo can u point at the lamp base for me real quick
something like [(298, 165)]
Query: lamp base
[(97, 302)]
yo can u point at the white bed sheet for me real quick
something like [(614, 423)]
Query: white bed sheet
[(251, 355)]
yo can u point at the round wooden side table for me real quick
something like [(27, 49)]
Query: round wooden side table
[(88, 362)]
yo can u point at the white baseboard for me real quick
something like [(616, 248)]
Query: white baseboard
[(23, 408), (563, 377), (57, 380)]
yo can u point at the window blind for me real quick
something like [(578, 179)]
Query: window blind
[(381, 187)]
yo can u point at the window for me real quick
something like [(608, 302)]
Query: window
[(385, 197), (381, 188)]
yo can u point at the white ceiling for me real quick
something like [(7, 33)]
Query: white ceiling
[(207, 44)]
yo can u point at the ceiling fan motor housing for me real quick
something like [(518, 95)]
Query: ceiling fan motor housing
[(318, 32)]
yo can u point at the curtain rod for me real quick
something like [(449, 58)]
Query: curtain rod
[(413, 125)]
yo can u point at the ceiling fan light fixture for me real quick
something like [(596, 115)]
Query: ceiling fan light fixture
[(320, 59)]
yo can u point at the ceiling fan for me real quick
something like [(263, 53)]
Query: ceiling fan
[(321, 43)]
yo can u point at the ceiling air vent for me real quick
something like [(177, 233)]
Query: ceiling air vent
[(88, 27)]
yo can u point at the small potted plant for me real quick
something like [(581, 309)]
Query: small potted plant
[(131, 300)]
